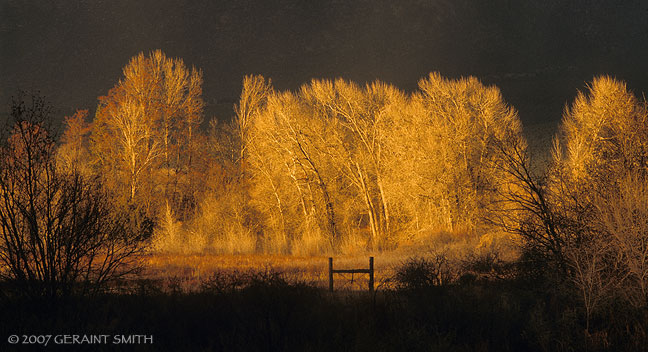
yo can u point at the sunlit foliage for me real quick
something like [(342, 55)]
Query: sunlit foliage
[(601, 175), (333, 166), (604, 134), (73, 155), (144, 134), (586, 219), (459, 133), (342, 165)]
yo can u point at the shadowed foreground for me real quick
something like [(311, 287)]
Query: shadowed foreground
[(264, 311)]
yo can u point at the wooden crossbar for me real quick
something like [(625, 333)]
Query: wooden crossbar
[(369, 271), (352, 271)]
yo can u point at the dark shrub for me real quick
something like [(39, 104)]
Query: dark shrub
[(418, 273)]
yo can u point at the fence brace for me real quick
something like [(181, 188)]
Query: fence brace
[(369, 271)]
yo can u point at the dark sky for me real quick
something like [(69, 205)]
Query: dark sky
[(538, 51)]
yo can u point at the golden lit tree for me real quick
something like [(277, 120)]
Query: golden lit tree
[(73, 154), (254, 96), (468, 129), (603, 134), (598, 188), (356, 146), (144, 135), (603, 138), (346, 162), (291, 130), (126, 147)]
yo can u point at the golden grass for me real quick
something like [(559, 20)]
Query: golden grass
[(190, 270), (194, 269)]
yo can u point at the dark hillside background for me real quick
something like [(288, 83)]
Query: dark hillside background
[(539, 52)]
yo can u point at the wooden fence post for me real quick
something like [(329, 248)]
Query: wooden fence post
[(331, 274), (371, 274), (369, 271)]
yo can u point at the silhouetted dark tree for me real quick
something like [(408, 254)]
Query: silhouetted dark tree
[(58, 233)]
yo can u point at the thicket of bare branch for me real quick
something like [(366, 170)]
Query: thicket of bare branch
[(586, 217), (59, 233)]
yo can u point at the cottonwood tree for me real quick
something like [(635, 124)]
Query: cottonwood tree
[(278, 171), (73, 154), (250, 129), (603, 135), (58, 232), (585, 218), (267, 182), (346, 157), (254, 95), (623, 220), (357, 147), (293, 133), (290, 168), (145, 130), (467, 130), (602, 161), (126, 148)]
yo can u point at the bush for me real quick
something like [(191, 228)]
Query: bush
[(420, 273)]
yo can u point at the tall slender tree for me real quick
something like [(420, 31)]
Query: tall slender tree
[(144, 134)]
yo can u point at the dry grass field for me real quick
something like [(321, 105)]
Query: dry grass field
[(190, 271)]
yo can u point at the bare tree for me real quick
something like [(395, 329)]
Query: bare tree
[(254, 96), (145, 131), (357, 147), (125, 146), (73, 153), (623, 219), (594, 270), (464, 128), (58, 232), (371, 160), (586, 216)]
